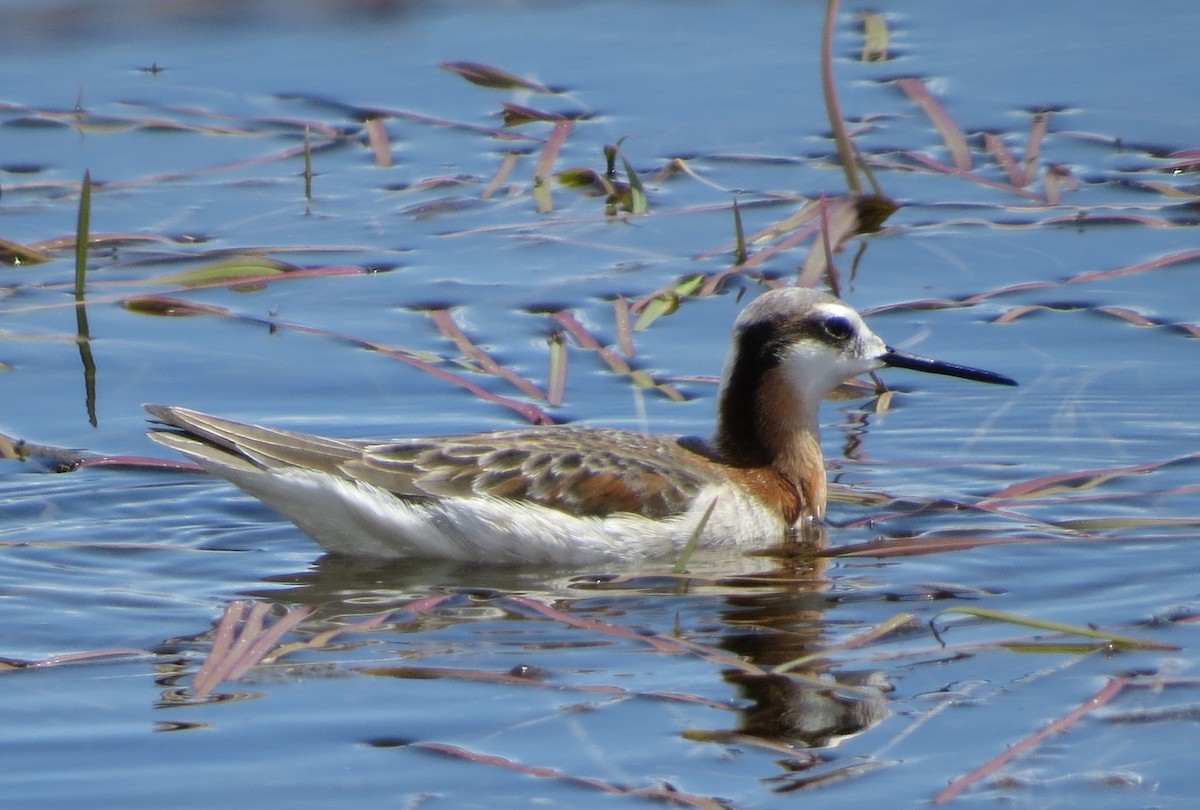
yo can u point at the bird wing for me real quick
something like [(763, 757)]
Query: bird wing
[(226, 442), (584, 472)]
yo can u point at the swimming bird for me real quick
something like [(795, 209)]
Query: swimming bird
[(570, 495)]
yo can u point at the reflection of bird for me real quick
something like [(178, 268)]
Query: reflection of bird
[(567, 494), (810, 711)]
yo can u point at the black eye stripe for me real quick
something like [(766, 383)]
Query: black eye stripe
[(766, 342)]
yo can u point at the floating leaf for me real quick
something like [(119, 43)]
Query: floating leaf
[(667, 302), (1118, 641), (240, 268), (585, 179), (488, 76), (18, 255), (874, 210), (1054, 648), (137, 463), (103, 123), (1133, 522), (515, 115), (919, 546), (1074, 482), (875, 38), (164, 306)]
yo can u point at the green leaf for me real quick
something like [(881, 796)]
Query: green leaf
[(875, 38), (1117, 641), (493, 77), (638, 203), (18, 255), (583, 178), (515, 115), (82, 227), (230, 271), (163, 306), (739, 253), (693, 541), (668, 302)]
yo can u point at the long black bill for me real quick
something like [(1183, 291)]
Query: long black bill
[(899, 359)]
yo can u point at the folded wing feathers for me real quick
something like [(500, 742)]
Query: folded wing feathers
[(264, 447), (542, 466)]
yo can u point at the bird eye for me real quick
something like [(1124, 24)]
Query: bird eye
[(838, 328)]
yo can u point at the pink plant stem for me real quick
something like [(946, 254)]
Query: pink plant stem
[(1096, 701)]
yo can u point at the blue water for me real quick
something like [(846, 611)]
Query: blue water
[(141, 564)]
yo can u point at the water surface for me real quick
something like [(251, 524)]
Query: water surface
[(448, 685)]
